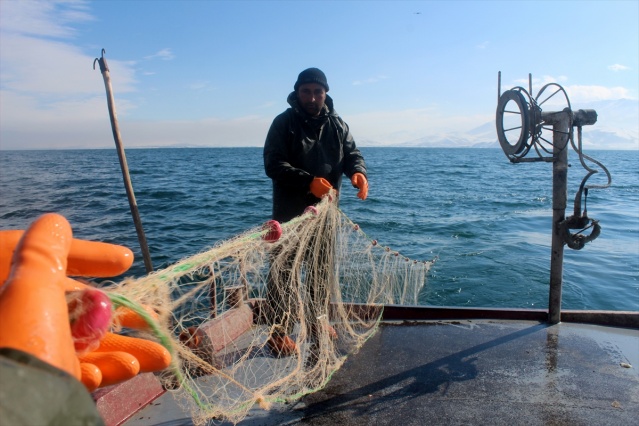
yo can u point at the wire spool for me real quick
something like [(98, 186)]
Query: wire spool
[(520, 125), (516, 117), (552, 97)]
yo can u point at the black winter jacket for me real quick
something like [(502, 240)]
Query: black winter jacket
[(299, 148)]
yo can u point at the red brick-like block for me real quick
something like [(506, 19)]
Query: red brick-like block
[(119, 402), (223, 330)]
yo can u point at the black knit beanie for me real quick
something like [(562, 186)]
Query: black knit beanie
[(311, 75)]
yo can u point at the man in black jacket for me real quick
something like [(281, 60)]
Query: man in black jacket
[(308, 148)]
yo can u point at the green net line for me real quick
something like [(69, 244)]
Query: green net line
[(164, 339), (194, 263)]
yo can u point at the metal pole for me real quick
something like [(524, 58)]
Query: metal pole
[(561, 122), (123, 165), (530, 83)]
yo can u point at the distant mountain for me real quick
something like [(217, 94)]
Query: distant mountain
[(617, 127), (484, 136)]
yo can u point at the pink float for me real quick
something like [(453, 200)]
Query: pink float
[(274, 231)]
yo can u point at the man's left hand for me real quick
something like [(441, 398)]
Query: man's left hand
[(359, 181)]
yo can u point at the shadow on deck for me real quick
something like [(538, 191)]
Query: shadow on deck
[(480, 371)]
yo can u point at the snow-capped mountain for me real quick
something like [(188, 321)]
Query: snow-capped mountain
[(617, 127)]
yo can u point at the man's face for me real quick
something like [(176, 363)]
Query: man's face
[(311, 97)]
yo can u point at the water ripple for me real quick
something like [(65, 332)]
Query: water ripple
[(487, 220)]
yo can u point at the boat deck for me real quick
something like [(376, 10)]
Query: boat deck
[(466, 372)]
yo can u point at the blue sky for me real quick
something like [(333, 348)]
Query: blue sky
[(216, 73)]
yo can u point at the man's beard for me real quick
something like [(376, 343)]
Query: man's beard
[(312, 108)]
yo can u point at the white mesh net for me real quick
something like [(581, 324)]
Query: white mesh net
[(322, 283)]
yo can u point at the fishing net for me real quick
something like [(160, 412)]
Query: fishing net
[(318, 279)]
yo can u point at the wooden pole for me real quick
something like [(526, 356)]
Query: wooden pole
[(104, 69)]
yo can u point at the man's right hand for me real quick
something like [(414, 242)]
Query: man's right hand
[(320, 187)]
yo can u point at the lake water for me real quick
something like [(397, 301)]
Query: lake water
[(486, 220)]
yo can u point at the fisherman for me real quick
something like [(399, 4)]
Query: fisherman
[(308, 148)]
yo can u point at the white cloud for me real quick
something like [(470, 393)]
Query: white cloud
[(51, 97), (576, 93), (242, 131), (95, 132), (37, 54), (164, 54), (618, 67), (46, 67), (199, 85), (390, 127), (43, 18), (370, 80), (539, 82), (49, 87), (585, 94), (483, 45)]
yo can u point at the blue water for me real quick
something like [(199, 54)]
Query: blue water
[(487, 220)]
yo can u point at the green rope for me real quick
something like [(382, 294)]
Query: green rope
[(119, 300), (197, 260)]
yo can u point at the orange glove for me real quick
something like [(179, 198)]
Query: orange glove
[(35, 316), (320, 187), (33, 309), (85, 258), (359, 181), (119, 358)]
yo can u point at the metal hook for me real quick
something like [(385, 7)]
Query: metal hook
[(102, 61)]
